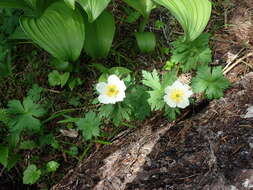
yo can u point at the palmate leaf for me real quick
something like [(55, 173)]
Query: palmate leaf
[(24, 116), (190, 54), (60, 31), (142, 6), (93, 8), (89, 125), (210, 81), (31, 174), (99, 35), (115, 112), (193, 15)]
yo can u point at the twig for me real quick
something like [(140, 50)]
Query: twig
[(233, 59), (53, 91), (225, 71)]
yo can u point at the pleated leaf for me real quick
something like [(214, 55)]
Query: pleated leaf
[(93, 8), (60, 31), (99, 35), (70, 3), (146, 41), (142, 6), (193, 15), (20, 4)]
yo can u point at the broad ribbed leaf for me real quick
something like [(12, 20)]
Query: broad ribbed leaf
[(193, 15), (60, 31), (142, 6), (70, 3), (99, 35), (146, 41), (93, 8), (20, 4)]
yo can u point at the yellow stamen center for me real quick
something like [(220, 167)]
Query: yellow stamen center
[(177, 95), (112, 90)]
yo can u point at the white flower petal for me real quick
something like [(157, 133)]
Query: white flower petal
[(188, 93), (183, 104), (100, 87), (112, 79), (122, 86), (177, 84), (103, 99), (119, 94), (120, 97), (185, 94), (169, 101), (168, 89)]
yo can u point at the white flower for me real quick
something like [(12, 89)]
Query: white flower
[(111, 92), (177, 95)]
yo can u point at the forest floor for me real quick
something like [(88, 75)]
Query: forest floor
[(209, 147)]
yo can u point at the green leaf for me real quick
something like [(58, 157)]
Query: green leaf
[(115, 112), (146, 41), (73, 151), (19, 4), (133, 17), (27, 145), (61, 65), (32, 3), (99, 35), (213, 83), (55, 78), (4, 116), (169, 78), (142, 6), (13, 140), (193, 15), (89, 125), (106, 111), (49, 140), (70, 3), (6, 67), (18, 34), (35, 93), (156, 101), (189, 54), (31, 174), (151, 80), (171, 113), (137, 98), (100, 67), (74, 82), (52, 166), (119, 71), (93, 8), (24, 116), (13, 159), (4, 152), (60, 31)]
